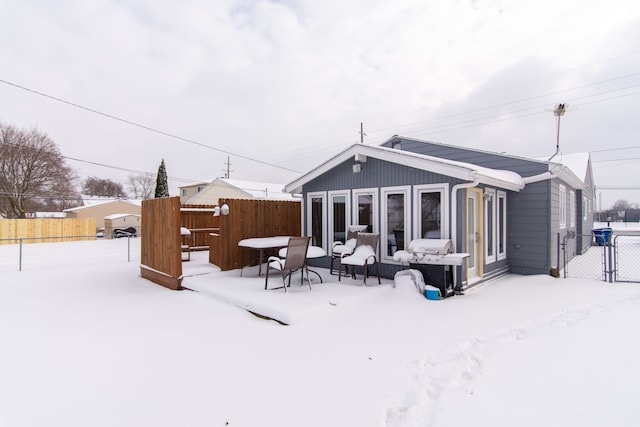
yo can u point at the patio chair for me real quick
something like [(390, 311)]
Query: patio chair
[(296, 259), (364, 255), (338, 249)]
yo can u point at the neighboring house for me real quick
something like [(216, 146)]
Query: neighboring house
[(511, 214), (209, 193), (122, 221), (103, 208)]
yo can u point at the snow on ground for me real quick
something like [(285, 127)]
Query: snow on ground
[(87, 342)]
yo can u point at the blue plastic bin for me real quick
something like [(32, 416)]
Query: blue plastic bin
[(602, 236), (431, 292)]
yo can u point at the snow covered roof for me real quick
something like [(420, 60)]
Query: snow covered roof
[(259, 189), (461, 170), (50, 215), (94, 201), (117, 216), (252, 189), (577, 163)]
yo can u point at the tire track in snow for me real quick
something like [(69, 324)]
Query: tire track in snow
[(460, 365)]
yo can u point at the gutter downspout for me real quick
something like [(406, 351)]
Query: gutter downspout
[(453, 230)]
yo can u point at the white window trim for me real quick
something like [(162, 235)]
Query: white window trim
[(491, 194), (572, 208), (374, 200), (502, 195), (310, 197), (347, 210), (384, 233), (562, 206), (443, 189)]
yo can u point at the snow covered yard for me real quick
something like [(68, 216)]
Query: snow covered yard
[(86, 341)]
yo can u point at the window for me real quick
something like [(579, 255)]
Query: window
[(339, 215), (572, 209), (316, 218), (396, 220), (365, 208), (562, 206), (501, 225), (200, 188), (431, 213), (490, 225), (184, 192)]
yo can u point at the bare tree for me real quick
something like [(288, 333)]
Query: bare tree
[(621, 205), (141, 186), (33, 172), (103, 187)]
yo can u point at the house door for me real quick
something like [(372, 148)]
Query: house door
[(473, 235)]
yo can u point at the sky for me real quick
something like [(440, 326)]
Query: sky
[(267, 90), (87, 342)]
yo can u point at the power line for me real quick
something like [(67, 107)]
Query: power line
[(126, 169), (434, 129), (129, 122), (615, 149), (616, 160)]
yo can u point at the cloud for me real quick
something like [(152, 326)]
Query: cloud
[(289, 82)]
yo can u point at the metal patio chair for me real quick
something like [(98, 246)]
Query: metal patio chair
[(338, 248), (296, 259), (364, 255)]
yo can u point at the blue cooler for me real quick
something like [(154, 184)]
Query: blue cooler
[(431, 292)]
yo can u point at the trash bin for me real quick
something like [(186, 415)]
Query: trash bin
[(602, 236)]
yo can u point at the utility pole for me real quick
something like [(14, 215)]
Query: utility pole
[(362, 134), (227, 170)]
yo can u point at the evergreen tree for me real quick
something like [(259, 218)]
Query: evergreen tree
[(162, 187)]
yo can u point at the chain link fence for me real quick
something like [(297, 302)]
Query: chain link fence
[(20, 254), (615, 260), (588, 265), (626, 258)]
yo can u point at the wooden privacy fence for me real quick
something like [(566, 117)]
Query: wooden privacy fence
[(47, 229), (200, 221), (160, 257), (251, 218)]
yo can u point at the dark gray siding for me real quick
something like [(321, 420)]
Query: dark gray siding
[(524, 167), (528, 237), (375, 174)]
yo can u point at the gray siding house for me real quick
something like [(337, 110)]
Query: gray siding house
[(511, 214)]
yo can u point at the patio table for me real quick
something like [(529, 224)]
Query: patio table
[(263, 243)]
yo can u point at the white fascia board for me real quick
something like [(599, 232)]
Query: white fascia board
[(566, 174), (406, 158), (516, 183), (463, 171)]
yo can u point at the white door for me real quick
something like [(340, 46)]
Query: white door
[(472, 236)]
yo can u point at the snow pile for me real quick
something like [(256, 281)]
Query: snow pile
[(86, 341)]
